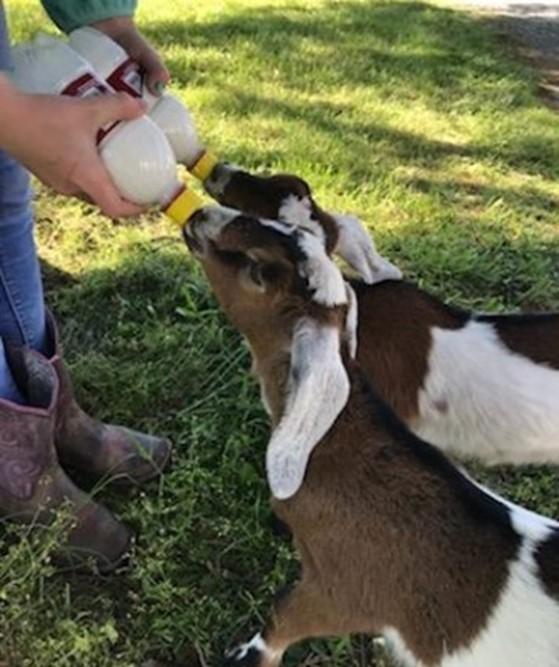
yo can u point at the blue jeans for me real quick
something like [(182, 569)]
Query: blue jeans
[(22, 311)]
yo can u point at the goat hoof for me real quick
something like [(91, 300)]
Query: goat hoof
[(245, 655)]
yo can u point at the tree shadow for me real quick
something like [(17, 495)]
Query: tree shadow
[(358, 41), (408, 52), (149, 347)]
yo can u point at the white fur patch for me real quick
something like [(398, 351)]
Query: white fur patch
[(397, 646), (481, 400), (524, 522), (356, 247), (318, 390), (298, 212), (351, 322), (257, 643), (215, 219), (279, 226), (523, 628), (323, 276)]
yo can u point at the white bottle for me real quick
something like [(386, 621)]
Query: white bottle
[(136, 153), (111, 63)]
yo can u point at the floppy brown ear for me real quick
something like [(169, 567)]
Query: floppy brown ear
[(317, 392)]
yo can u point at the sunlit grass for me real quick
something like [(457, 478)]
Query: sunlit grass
[(407, 114)]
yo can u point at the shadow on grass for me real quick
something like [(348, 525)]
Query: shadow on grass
[(150, 348), (412, 52), (393, 40)]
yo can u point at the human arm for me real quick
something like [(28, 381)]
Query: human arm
[(55, 138), (116, 19)]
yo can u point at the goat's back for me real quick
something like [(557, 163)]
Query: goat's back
[(408, 545)]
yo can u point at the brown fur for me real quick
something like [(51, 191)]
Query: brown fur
[(390, 534), (394, 339), (389, 538), (263, 196), (535, 336), (394, 334), (546, 558)]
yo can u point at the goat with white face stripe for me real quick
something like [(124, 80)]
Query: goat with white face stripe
[(393, 539), (483, 387), (289, 199)]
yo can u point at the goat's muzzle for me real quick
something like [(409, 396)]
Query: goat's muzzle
[(194, 241), (217, 181)]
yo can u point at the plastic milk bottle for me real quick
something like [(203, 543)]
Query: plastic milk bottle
[(111, 63), (136, 153)]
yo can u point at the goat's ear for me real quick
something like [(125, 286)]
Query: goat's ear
[(317, 391), (265, 269), (351, 321)]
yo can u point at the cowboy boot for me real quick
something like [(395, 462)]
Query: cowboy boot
[(32, 483), (101, 450)]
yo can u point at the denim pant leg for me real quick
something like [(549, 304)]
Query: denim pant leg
[(22, 313)]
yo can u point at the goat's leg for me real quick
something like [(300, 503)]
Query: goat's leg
[(300, 614)]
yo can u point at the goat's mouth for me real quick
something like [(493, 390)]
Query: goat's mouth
[(205, 226), (195, 241), (217, 182)]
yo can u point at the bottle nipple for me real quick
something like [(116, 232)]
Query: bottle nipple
[(181, 208)]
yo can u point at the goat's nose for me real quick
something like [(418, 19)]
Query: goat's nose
[(217, 181)]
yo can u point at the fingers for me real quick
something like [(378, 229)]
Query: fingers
[(141, 51), (157, 74), (124, 32), (96, 183), (110, 108)]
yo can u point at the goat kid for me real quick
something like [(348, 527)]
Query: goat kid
[(289, 199), (477, 386), (393, 539)]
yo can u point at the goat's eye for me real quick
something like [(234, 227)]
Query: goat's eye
[(255, 273)]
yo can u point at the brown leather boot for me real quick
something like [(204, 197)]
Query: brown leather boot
[(32, 483), (85, 444)]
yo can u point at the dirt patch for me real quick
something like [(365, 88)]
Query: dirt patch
[(533, 29)]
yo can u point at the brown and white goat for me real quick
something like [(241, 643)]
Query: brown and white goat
[(394, 540), (289, 199), (478, 386)]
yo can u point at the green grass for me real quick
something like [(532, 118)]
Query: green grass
[(409, 114)]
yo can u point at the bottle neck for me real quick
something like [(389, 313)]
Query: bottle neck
[(182, 206), (203, 165)]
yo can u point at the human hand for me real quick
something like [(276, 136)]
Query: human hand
[(55, 138), (123, 31)]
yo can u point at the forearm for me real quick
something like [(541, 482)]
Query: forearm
[(12, 113), (71, 14)]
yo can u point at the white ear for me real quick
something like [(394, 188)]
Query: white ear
[(351, 321), (356, 247), (318, 390)]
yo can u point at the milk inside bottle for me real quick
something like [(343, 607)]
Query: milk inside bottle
[(111, 63)]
